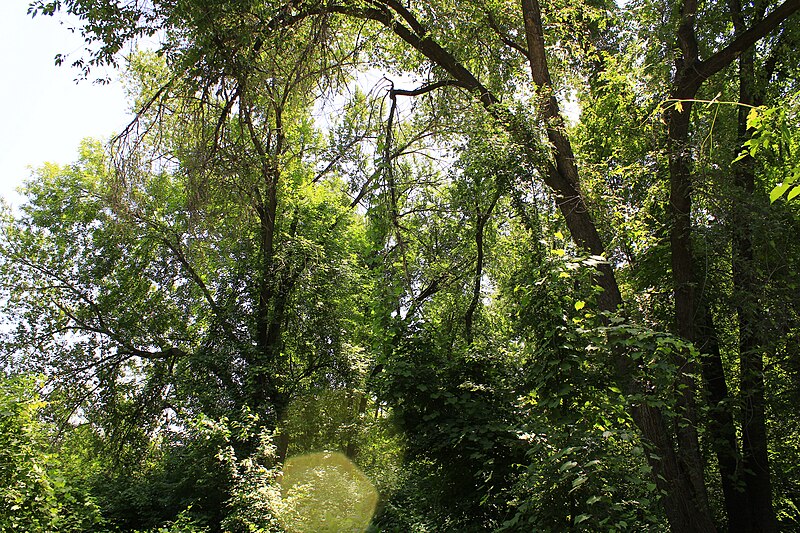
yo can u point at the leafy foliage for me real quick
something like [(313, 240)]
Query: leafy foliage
[(38, 490), (437, 284), (774, 139)]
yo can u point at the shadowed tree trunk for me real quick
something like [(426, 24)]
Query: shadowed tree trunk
[(690, 73), (721, 425), (759, 512)]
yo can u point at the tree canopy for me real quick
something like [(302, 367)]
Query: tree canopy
[(355, 264)]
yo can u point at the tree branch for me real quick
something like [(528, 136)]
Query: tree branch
[(426, 88), (505, 39), (723, 58)]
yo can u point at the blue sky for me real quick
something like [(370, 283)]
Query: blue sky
[(44, 113)]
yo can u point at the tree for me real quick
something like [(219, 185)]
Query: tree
[(150, 296), (239, 90)]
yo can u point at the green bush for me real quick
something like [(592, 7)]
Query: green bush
[(35, 495)]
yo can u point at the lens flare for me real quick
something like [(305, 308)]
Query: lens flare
[(326, 492)]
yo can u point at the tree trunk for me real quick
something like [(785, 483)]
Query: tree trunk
[(755, 458), (480, 222), (680, 208), (721, 425), (678, 473), (678, 498), (262, 364)]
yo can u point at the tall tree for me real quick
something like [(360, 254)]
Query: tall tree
[(254, 65)]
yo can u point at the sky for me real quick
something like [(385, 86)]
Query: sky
[(44, 113)]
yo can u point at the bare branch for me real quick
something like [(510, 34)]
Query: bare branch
[(427, 88)]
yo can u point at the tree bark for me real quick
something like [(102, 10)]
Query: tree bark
[(690, 73), (684, 292), (721, 425), (756, 474)]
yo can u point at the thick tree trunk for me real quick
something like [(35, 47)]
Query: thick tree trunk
[(755, 458), (563, 177), (678, 472), (680, 208), (678, 499)]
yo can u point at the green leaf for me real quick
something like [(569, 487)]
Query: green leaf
[(567, 465), (580, 304), (579, 481), (778, 191), (753, 118), (582, 518)]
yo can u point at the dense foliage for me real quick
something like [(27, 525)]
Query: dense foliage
[(365, 264)]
